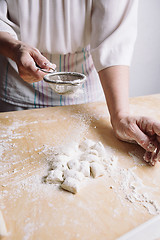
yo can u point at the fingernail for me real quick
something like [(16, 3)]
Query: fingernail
[(50, 65), (45, 63)]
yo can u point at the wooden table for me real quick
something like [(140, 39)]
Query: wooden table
[(106, 208)]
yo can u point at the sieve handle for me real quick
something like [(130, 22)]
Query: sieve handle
[(44, 70)]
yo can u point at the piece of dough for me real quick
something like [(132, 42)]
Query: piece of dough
[(73, 164), (93, 151), (89, 158), (73, 174), (59, 165), (54, 176), (61, 158), (97, 170), (85, 168), (86, 144), (3, 229), (69, 150), (71, 185), (100, 149)]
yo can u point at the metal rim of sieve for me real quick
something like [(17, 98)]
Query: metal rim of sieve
[(80, 78)]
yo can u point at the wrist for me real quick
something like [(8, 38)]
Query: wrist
[(14, 45), (8, 45), (118, 116)]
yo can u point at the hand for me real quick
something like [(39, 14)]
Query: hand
[(26, 58), (142, 130)]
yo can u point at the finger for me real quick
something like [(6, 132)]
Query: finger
[(158, 155), (156, 128), (150, 158), (51, 65), (153, 158), (147, 156), (146, 125), (42, 61), (141, 138), (28, 69), (149, 126)]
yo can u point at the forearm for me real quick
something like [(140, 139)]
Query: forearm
[(114, 81), (8, 45)]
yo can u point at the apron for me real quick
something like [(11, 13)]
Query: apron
[(15, 91)]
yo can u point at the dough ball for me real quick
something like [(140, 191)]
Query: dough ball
[(85, 168), (73, 174), (54, 176), (97, 170), (71, 184), (73, 164)]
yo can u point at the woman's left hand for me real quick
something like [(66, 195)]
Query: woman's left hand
[(142, 130)]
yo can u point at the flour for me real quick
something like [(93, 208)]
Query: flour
[(132, 186)]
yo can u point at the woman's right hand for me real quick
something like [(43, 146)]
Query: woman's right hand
[(26, 58)]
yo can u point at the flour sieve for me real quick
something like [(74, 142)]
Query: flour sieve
[(65, 82)]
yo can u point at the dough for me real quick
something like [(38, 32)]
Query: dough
[(3, 229), (96, 169), (100, 149), (61, 158), (71, 184), (93, 151), (54, 176), (86, 144), (69, 150), (73, 174), (89, 157), (59, 165), (73, 164), (85, 168)]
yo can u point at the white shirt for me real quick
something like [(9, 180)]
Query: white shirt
[(70, 33)]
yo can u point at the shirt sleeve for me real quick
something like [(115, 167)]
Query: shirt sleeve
[(113, 32), (6, 25)]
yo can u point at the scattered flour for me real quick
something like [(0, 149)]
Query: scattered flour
[(132, 186)]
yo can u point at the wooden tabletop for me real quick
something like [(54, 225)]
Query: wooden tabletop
[(105, 208)]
